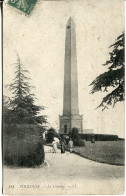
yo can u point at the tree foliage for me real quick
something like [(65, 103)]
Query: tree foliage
[(74, 135), (51, 133), (21, 108), (114, 77)]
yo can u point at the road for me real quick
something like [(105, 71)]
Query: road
[(65, 174)]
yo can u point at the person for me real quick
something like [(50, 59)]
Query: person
[(56, 140), (92, 139), (71, 145), (54, 143), (63, 143)]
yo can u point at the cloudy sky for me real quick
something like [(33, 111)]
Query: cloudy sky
[(39, 40)]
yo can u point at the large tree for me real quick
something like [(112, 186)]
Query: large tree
[(22, 109), (112, 81)]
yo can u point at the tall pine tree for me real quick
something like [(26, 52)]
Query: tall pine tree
[(22, 109), (114, 77)]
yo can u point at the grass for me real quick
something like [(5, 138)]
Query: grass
[(110, 152)]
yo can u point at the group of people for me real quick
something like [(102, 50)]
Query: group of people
[(63, 145)]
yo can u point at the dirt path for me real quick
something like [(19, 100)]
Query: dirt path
[(67, 174)]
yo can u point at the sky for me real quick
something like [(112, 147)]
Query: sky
[(39, 40)]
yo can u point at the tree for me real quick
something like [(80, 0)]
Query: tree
[(22, 109), (51, 133), (114, 77), (74, 135)]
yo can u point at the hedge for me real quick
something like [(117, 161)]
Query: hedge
[(99, 137), (23, 145)]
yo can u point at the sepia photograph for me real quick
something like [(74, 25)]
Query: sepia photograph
[(63, 97)]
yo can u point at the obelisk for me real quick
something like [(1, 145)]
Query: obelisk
[(71, 117)]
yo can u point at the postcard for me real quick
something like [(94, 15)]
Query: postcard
[(63, 97)]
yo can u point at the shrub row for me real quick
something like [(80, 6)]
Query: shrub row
[(99, 137), (23, 145)]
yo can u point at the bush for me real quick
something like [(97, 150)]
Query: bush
[(79, 142), (76, 138), (23, 145), (51, 133), (74, 134)]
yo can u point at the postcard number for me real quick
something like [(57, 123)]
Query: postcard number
[(11, 186)]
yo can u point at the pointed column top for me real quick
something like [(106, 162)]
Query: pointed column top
[(70, 22)]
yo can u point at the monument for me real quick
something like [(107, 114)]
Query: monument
[(70, 117)]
